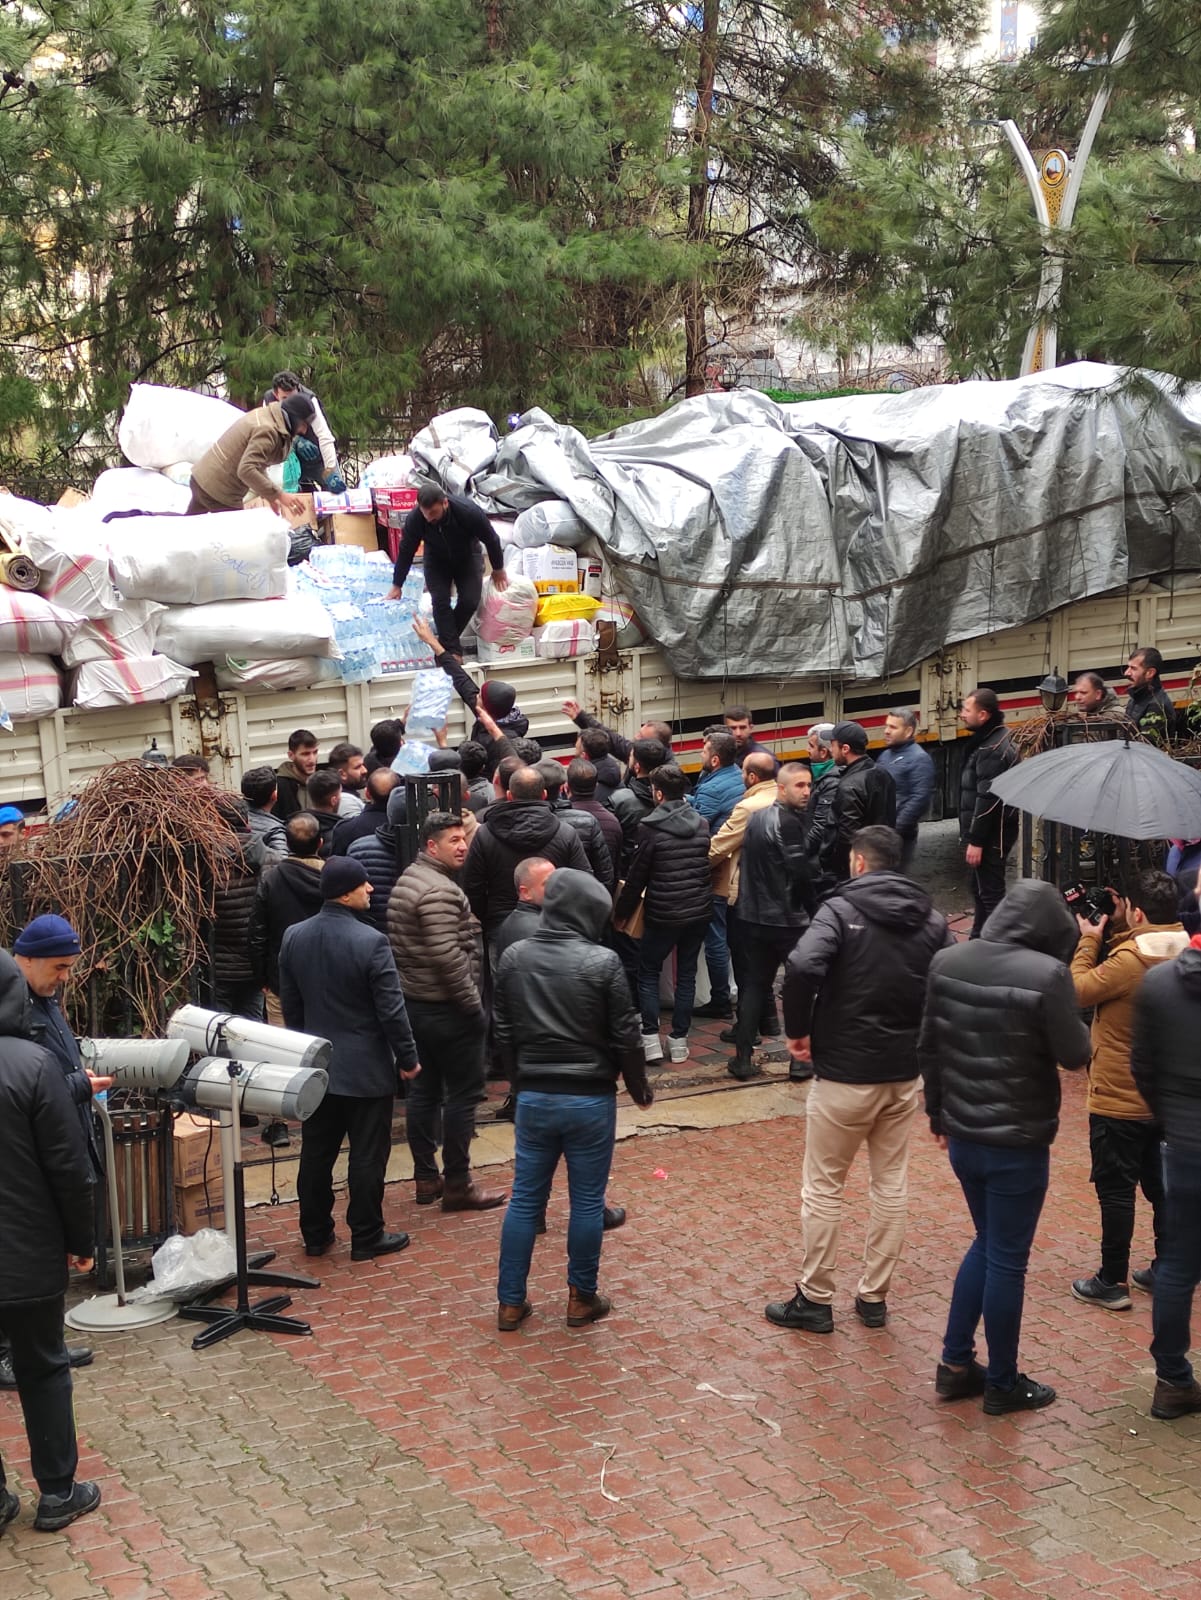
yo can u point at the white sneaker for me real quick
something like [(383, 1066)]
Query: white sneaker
[(651, 1047), (677, 1048)]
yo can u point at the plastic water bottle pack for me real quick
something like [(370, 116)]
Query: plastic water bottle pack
[(375, 635)]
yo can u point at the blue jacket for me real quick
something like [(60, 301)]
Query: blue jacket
[(716, 794), (338, 979), (912, 772)]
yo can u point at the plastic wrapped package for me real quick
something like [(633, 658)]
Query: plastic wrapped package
[(266, 677), (552, 522), (506, 616), (161, 427), (128, 681), (275, 630), (413, 757), (184, 1266), (138, 489), (19, 517), (33, 625), (71, 551), (29, 687), (454, 446), (131, 631), (566, 608), (629, 630), (429, 702), (387, 472), (228, 555), (560, 640)]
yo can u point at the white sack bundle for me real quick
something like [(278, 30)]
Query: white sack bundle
[(259, 630), (193, 561), (161, 426)]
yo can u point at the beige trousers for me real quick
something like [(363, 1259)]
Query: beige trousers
[(839, 1118), (275, 1012)]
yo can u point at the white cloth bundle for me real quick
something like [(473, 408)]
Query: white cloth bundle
[(275, 630), (228, 555), (129, 682), (131, 631), (29, 687), (160, 427), (33, 625)]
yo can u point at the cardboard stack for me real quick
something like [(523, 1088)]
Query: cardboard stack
[(196, 1154)]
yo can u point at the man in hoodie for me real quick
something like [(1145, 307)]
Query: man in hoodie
[(718, 790), (1148, 704), (46, 1223), (853, 989), (912, 771), (583, 787), (634, 801), (436, 942), (600, 862), (1000, 1020), (374, 814), (494, 695), (523, 825), (670, 868), (236, 466), (452, 530), (292, 776), (287, 893), (865, 797), (987, 828), (566, 1031), (260, 790), (379, 856), (1122, 1136), (1166, 1067)]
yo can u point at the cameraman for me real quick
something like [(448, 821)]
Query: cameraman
[(1123, 1138)]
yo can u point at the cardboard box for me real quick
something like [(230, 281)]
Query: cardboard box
[(400, 501), (493, 655), (553, 568), (354, 500), (191, 1212), (191, 1138), (355, 527)]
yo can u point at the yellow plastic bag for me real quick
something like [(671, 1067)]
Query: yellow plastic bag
[(566, 608)]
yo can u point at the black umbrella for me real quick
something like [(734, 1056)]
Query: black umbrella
[(1109, 786)]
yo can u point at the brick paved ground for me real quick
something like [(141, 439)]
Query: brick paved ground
[(407, 1449)]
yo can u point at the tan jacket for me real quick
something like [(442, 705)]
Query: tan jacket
[(1112, 988), (237, 464), (434, 937), (725, 847)]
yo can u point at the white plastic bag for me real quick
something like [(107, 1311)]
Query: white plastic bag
[(160, 427), (274, 629), (266, 677), (131, 631), (228, 555), (137, 489), (33, 625), (506, 616), (559, 640), (72, 554), (129, 682), (387, 472), (430, 702), (552, 522), (29, 687), (183, 1266)]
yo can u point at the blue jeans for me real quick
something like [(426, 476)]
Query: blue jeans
[(717, 951), (658, 941), (1004, 1189), (1178, 1269), (581, 1128)]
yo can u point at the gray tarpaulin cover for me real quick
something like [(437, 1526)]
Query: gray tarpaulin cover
[(856, 536)]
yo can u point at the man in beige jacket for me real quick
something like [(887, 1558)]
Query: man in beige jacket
[(725, 851), (236, 466)]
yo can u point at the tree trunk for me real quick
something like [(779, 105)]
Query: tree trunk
[(696, 297)]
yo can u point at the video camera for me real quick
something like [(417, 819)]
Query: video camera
[(1093, 903)]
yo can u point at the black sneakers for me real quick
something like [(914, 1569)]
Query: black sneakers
[(808, 1315), (963, 1385), (1144, 1278), (9, 1507), (57, 1511), (872, 1313), (1026, 1395), (715, 1008), (385, 1245), (1095, 1291), (743, 1068), (1172, 1400)]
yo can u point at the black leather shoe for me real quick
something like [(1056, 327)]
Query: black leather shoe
[(9, 1507), (1026, 1395), (323, 1248), (799, 1312), (714, 1008), (57, 1511), (743, 1068), (387, 1244), (730, 1036), (872, 1313), (771, 1029), (964, 1384), (615, 1216)]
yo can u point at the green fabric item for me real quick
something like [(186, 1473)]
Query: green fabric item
[(291, 472), (817, 768)]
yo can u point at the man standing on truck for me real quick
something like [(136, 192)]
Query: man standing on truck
[(986, 826), (236, 466), (452, 530)]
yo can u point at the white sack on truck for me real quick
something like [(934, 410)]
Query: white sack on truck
[(266, 677), (160, 427), (128, 682), (552, 522), (131, 631), (72, 555), (32, 625), (138, 489), (453, 447), (193, 561), (29, 687), (274, 630)]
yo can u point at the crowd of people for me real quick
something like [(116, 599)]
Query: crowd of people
[(524, 927)]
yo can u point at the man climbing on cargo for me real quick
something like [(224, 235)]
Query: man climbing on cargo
[(236, 466), (452, 530)]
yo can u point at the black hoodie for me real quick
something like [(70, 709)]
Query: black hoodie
[(1164, 1057), (564, 1023), (287, 893), (671, 863), (1000, 1014), (855, 981), (514, 831)]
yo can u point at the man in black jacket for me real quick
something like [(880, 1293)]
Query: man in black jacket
[(236, 987), (866, 797), (452, 530), (670, 868), (583, 786), (634, 801), (1148, 704), (287, 893), (600, 862), (853, 990), (374, 814), (530, 878), (378, 854), (986, 827), (1167, 1073), (775, 901), (338, 980), (1000, 1020), (618, 743), (46, 1220), (523, 825), (819, 817), (566, 1031)]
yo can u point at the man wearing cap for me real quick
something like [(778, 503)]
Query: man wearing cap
[(12, 826), (339, 981), (865, 797), (45, 950), (236, 466)]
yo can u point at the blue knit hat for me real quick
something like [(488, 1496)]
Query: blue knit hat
[(47, 936)]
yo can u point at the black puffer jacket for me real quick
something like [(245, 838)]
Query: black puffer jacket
[(600, 862), (514, 831), (1164, 1056), (855, 982), (983, 820), (775, 881), (671, 863), (46, 1207), (234, 906), (377, 853), (632, 804), (286, 894), (563, 1019), (1151, 704), (1000, 1014), (865, 796)]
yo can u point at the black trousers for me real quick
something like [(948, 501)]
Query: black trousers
[(1125, 1158), (467, 579), (734, 937), (368, 1124), (39, 1355), (988, 885), (450, 1045), (763, 950)]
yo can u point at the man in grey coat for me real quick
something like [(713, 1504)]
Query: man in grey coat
[(338, 980)]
